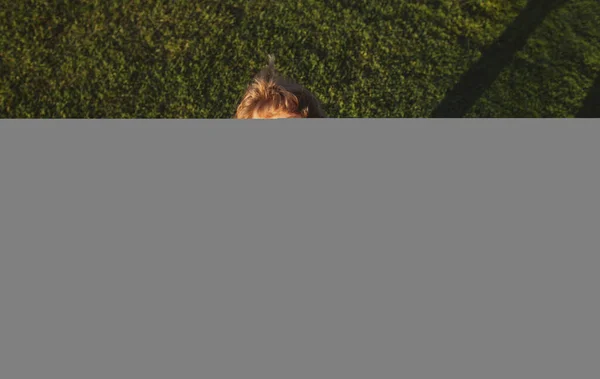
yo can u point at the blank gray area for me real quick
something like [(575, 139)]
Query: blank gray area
[(299, 249)]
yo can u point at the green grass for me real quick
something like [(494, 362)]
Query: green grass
[(363, 58)]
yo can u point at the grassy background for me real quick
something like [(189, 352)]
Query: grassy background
[(363, 58)]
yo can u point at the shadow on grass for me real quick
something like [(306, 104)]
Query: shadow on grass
[(591, 104), (482, 74)]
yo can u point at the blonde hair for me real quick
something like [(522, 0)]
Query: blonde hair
[(270, 94)]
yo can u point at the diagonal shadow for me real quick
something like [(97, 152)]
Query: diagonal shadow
[(591, 104), (482, 74)]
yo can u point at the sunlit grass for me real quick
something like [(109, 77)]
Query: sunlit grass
[(364, 58)]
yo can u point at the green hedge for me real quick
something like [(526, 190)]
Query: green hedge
[(364, 58)]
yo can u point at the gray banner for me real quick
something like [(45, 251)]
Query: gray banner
[(299, 249)]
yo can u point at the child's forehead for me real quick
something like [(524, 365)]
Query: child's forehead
[(255, 115)]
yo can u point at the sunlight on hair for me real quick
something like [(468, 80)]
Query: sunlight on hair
[(270, 95)]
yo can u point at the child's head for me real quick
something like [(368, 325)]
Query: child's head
[(272, 96)]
